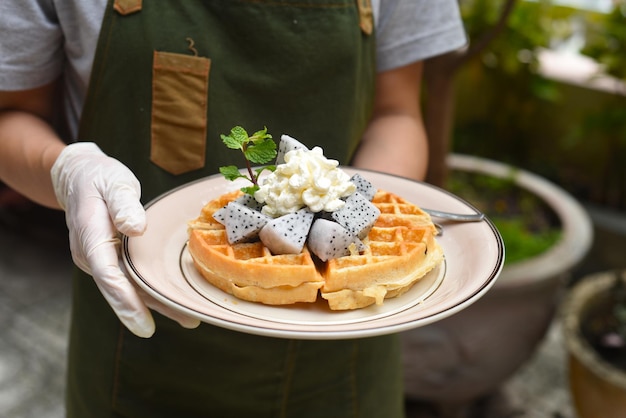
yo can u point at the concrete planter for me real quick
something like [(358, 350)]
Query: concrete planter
[(455, 361), (598, 389)]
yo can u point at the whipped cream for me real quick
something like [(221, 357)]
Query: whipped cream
[(306, 179)]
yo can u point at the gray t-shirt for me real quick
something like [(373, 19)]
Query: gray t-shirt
[(42, 38)]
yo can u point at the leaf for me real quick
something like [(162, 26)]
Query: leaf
[(261, 152), (231, 172), (250, 189), (237, 139), (258, 149), (261, 135)]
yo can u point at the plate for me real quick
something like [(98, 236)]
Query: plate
[(160, 263)]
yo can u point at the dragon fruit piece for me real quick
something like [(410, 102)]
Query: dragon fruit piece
[(287, 144), (220, 214), (328, 240), (246, 200), (242, 223), (363, 186), (358, 215), (249, 201), (287, 234)]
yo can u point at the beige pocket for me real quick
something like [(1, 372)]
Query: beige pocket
[(180, 85)]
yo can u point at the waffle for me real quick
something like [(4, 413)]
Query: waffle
[(400, 249), (248, 270)]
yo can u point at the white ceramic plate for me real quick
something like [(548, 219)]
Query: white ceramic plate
[(160, 264)]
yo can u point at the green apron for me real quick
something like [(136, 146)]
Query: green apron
[(168, 78)]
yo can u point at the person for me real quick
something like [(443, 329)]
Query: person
[(106, 104)]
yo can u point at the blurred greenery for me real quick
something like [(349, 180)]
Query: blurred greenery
[(606, 40), (527, 224), (506, 110), (528, 27)]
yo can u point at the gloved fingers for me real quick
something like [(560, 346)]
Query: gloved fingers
[(183, 320), (118, 290), (121, 191), (95, 247), (101, 197), (89, 225), (83, 171)]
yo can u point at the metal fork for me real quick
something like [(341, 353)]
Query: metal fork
[(456, 217)]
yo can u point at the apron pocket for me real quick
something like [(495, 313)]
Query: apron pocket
[(180, 85)]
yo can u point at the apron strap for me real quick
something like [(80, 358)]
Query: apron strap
[(366, 16), (126, 7)]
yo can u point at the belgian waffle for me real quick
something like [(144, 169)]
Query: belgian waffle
[(248, 270), (400, 249)]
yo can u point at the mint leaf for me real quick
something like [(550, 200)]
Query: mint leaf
[(261, 152), (237, 139), (258, 149), (261, 135), (231, 172), (250, 189)]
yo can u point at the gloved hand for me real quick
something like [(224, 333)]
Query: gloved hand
[(100, 197)]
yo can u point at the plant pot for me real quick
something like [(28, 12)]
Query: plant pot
[(598, 388), (469, 355)]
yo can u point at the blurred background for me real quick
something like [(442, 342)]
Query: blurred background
[(547, 93), (541, 87)]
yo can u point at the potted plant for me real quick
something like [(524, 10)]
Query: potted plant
[(456, 361), (594, 328)]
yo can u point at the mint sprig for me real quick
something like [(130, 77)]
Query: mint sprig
[(257, 149)]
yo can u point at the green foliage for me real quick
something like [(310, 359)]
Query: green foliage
[(509, 112), (528, 226), (258, 149), (528, 27), (605, 40), (522, 243), (504, 84)]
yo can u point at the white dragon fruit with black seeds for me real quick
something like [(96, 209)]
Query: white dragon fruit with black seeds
[(285, 145), (220, 215), (287, 234), (245, 200), (363, 186), (242, 223), (249, 201), (358, 215), (328, 240)]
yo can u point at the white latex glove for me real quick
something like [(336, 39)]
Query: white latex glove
[(100, 197)]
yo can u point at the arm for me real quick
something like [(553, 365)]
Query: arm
[(395, 141), (28, 143)]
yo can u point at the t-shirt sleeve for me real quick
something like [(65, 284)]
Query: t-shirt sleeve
[(31, 45), (414, 30)]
